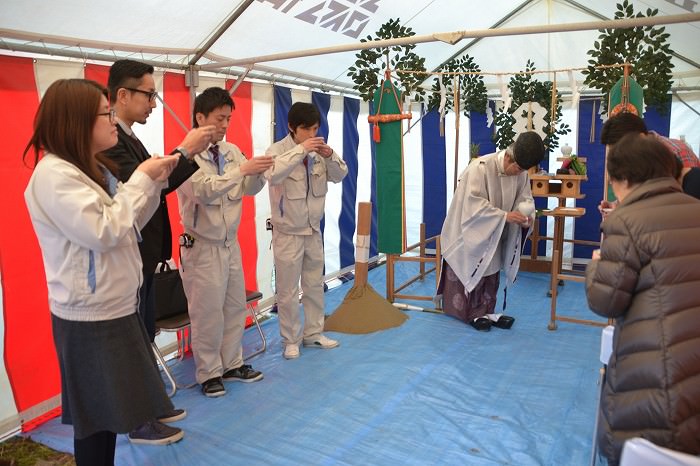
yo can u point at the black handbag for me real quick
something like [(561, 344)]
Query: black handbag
[(169, 295)]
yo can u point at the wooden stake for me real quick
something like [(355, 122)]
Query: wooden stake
[(364, 220)]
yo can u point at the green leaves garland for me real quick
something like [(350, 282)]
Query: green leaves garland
[(524, 88), (472, 89), (646, 48), (371, 63)]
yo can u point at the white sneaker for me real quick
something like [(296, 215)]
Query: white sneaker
[(291, 351), (322, 342)]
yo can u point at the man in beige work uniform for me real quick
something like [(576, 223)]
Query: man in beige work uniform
[(303, 166), (212, 272)]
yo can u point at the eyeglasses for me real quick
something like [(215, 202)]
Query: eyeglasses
[(151, 94), (112, 114)]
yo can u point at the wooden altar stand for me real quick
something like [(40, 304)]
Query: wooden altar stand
[(392, 292), (561, 187)]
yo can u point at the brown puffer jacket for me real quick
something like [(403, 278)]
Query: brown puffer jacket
[(648, 278)]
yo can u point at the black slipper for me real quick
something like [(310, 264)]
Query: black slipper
[(504, 322), (482, 324)]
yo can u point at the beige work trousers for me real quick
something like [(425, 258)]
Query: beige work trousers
[(299, 257), (212, 277)]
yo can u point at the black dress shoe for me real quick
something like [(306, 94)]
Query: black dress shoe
[(482, 324), (504, 322)]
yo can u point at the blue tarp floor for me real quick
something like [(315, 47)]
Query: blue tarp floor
[(432, 391)]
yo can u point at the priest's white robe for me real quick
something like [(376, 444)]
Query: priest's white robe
[(476, 240)]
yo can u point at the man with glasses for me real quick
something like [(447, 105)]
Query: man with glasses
[(132, 94), (482, 233)]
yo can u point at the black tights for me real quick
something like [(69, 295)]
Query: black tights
[(95, 450)]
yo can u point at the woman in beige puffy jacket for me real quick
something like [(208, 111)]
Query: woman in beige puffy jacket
[(647, 276)]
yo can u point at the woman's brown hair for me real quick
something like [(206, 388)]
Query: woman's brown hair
[(64, 123)]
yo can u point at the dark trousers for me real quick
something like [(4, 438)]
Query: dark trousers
[(95, 450), (147, 305)]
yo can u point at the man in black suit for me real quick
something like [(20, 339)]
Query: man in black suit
[(132, 94)]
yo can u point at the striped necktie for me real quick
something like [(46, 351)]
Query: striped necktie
[(214, 151)]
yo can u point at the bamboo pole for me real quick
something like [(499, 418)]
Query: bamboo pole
[(456, 109)]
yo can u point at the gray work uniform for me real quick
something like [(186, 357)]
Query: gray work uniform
[(297, 197), (212, 272)]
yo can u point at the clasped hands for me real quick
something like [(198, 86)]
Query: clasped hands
[(605, 207), (318, 145), (518, 218)]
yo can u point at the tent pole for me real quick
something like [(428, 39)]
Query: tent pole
[(458, 35), (240, 79), (173, 114), (35, 50), (192, 83), (219, 32), (91, 44)]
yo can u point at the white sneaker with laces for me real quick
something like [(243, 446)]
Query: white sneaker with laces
[(322, 342), (291, 351)]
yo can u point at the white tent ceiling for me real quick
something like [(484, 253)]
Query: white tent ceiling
[(175, 33)]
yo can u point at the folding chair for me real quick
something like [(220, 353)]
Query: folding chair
[(179, 324), (251, 300)]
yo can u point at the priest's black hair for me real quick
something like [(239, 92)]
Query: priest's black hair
[(528, 150)]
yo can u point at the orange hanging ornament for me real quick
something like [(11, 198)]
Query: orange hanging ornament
[(387, 117)]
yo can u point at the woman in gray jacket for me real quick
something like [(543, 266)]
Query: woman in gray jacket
[(646, 276), (87, 225)]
